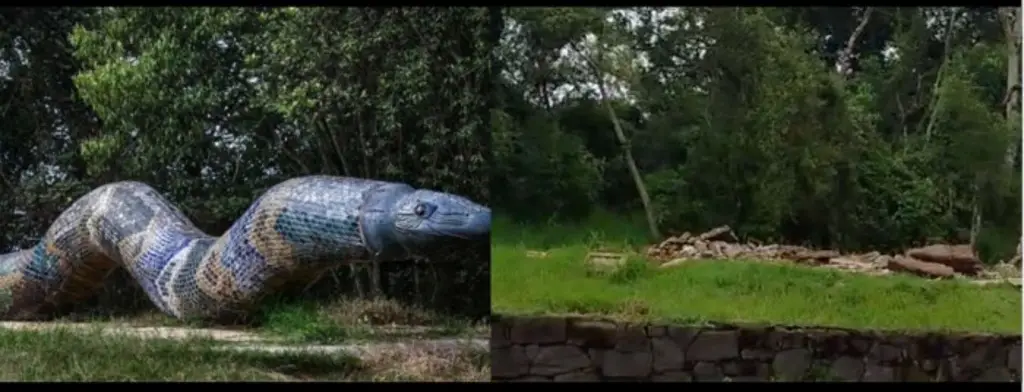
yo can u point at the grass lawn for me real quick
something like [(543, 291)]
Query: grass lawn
[(63, 355), (66, 355), (75, 355), (724, 291), (340, 321), (359, 319)]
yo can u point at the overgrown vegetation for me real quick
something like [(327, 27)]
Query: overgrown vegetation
[(213, 105), (847, 128), (542, 272), (45, 356)]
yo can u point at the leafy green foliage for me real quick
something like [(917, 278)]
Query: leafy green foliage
[(214, 105), (739, 117)]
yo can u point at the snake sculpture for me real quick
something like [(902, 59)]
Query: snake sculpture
[(304, 224)]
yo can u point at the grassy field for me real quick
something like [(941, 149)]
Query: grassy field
[(553, 280), (62, 355), (76, 355), (358, 319), (327, 323)]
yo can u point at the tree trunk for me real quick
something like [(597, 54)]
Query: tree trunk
[(627, 151), (1010, 18), (844, 60), (975, 220), (947, 48)]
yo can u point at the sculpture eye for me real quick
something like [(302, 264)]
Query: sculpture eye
[(420, 210)]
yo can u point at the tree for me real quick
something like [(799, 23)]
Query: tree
[(844, 127), (214, 105)]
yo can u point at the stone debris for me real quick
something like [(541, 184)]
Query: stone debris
[(536, 254), (931, 261), (959, 257), (922, 268), (604, 261)]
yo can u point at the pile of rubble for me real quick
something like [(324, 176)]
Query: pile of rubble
[(933, 261)]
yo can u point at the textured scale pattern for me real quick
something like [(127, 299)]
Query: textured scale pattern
[(301, 225)]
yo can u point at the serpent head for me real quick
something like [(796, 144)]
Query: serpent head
[(424, 214), (425, 220), (399, 222)]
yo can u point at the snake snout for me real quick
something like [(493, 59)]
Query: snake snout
[(474, 225), (479, 224)]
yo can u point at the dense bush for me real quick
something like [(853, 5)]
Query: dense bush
[(741, 117)]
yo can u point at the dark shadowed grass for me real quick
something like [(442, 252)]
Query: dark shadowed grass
[(540, 270), (62, 355)]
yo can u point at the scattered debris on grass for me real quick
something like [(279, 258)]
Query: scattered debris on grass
[(932, 261), (427, 364), (747, 291), (605, 261)]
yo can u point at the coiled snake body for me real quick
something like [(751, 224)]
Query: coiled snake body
[(303, 224)]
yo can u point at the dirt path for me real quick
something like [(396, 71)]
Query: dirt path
[(243, 340)]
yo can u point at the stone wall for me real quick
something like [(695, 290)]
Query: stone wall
[(577, 349)]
